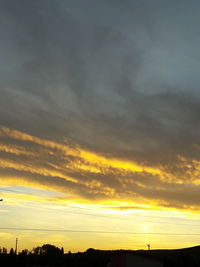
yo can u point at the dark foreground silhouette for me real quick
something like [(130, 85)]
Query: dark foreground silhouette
[(49, 255)]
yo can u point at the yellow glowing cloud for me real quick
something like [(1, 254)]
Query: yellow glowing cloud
[(86, 160), (86, 171), (42, 171), (117, 164), (15, 150), (4, 131)]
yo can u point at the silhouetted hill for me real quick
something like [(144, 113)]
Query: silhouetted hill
[(175, 257)]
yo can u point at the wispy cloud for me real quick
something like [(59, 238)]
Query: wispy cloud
[(83, 174)]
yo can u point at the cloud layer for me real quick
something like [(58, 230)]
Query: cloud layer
[(85, 175), (101, 100)]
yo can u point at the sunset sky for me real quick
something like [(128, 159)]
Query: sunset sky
[(100, 123)]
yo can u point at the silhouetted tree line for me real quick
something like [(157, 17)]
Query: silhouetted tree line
[(46, 249), (53, 256), (50, 255)]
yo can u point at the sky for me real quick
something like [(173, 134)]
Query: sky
[(100, 123)]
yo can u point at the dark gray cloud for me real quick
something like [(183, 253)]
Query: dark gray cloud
[(118, 78)]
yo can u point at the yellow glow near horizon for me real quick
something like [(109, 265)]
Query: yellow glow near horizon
[(51, 216), (82, 200)]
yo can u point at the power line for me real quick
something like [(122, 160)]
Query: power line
[(95, 232)]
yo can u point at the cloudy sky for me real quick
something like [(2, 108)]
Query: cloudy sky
[(100, 122)]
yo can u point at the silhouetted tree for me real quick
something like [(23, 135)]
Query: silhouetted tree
[(90, 250), (4, 250), (52, 250), (24, 252), (37, 250), (12, 252)]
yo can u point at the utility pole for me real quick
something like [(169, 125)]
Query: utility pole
[(16, 246)]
